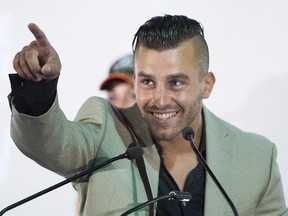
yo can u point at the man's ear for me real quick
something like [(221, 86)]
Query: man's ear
[(209, 81)]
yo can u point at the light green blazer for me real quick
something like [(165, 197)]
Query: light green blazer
[(244, 163)]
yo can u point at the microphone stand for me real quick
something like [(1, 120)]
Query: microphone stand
[(188, 134), (131, 153), (181, 196)]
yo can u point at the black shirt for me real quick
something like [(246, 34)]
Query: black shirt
[(195, 184)]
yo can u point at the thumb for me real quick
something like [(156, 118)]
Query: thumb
[(51, 70), (46, 69)]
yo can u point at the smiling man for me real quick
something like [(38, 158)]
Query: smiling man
[(171, 80)]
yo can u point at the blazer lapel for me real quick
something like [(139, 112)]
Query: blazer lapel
[(218, 156)]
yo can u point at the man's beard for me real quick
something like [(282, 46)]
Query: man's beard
[(166, 134)]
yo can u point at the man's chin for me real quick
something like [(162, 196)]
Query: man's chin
[(162, 135)]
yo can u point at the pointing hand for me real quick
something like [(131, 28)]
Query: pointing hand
[(39, 60)]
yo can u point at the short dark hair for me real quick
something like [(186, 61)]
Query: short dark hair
[(168, 31)]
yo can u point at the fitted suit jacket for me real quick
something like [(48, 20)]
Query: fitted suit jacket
[(244, 163)]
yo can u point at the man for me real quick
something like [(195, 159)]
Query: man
[(171, 80), (119, 83)]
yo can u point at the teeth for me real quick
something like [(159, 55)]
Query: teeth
[(164, 116)]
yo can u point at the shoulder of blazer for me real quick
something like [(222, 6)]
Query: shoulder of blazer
[(224, 129)]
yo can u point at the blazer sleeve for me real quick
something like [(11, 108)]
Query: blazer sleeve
[(58, 144)]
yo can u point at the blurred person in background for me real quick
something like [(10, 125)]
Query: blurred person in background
[(119, 82)]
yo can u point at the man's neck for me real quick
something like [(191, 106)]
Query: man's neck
[(179, 158)]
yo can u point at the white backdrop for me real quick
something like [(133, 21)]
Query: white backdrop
[(248, 46)]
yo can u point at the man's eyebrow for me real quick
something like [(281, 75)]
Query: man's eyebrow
[(172, 76), (178, 76), (143, 74)]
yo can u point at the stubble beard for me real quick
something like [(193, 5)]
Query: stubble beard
[(168, 134)]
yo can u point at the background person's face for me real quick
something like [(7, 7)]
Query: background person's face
[(121, 95)]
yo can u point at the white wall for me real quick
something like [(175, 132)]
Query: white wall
[(248, 46)]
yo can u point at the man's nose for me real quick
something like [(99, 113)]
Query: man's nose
[(162, 96)]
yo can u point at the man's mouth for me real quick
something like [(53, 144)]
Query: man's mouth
[(164, 116)]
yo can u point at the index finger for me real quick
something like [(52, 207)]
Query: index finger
[(39, 35)]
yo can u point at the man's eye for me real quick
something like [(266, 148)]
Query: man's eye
[(176, 83), (147, 82)]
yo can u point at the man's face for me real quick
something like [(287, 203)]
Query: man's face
[(168, 89), (121, 94)]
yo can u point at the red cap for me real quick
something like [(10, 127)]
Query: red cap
[(121, 70), (116, 76)]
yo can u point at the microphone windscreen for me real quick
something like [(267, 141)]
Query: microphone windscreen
[(134, 152), (188, 131)]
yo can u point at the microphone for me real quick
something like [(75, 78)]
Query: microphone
[(131, 154), (188, 134), (178, 195)]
